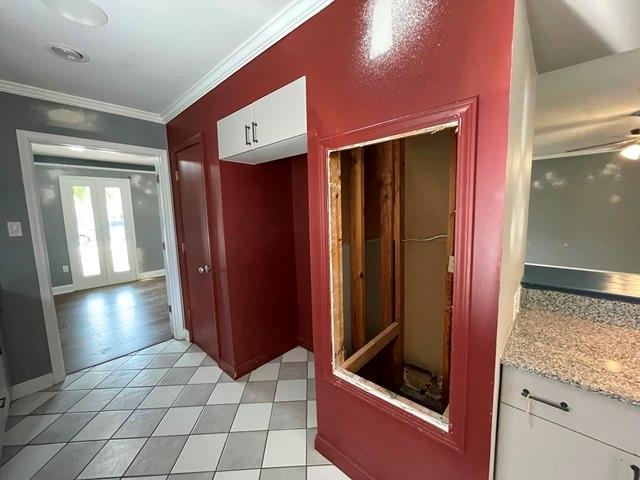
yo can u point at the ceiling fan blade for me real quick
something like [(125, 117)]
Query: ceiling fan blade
[(602, 145)]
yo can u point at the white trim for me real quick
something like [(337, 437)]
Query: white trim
[(73, 100), (294, 15), (70, 165), (174, 294), (31, 386), (151, 274), (562, 267), (62, 289), (579, 153)]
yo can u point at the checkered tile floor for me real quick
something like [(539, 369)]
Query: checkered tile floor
[(168, 412)]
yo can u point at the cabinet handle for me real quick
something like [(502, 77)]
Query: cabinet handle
[(636, 472), (254, 130), (246, 134), (560, 406)]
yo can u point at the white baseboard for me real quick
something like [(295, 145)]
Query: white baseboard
[(31, 386), (150, 274), (60, 289)]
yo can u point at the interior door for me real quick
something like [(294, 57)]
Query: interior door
[(98, 217), (196, 254)]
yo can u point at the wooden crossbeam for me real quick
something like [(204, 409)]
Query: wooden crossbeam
[(360, 358)]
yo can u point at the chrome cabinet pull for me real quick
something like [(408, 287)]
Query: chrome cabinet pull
[(636, 472), (254, 131), (560, 406), (246, 135)]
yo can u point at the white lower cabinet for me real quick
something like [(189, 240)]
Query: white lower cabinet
[(531, 448)]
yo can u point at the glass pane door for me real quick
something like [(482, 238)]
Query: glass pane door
[(117, 234), (86, 231)]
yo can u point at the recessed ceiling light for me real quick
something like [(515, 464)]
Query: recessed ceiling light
[(68, 53), (632, 152), (83, 12)]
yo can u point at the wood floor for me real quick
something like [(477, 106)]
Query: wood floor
[(105, 323)]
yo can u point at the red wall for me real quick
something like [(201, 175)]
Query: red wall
[(445, 50)]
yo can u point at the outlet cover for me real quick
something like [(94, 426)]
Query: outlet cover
[(65, 268), (15, 229)]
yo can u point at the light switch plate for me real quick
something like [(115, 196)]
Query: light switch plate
[(15, 229), (65, 268)]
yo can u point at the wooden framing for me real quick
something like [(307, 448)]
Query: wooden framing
[(335, 211), (397, 155), (360, 358), (356, 250)]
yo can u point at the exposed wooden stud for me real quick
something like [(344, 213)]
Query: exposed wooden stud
[(335, 239), (356, 249), (448, 301), (360, 358), (385, 175), (397, 155)]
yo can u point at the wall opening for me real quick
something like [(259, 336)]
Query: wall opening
[(392, 212)]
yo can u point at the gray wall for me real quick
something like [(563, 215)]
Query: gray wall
[(146, 214), (585, 213), (22, 317)]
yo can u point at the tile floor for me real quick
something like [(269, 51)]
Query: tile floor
[(168, 412)]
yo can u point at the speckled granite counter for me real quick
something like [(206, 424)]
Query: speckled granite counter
[(596, 355)]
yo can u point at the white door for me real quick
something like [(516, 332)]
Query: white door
[(98, 218), (234, 133)]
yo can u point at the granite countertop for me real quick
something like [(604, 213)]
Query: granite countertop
[(597, 356)]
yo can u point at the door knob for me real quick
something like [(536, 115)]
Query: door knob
[(204, 269)]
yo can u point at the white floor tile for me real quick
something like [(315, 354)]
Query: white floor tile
[(190, 359), (27, 404), (148, 377), (162, 396), (200, 454), (27, 429), (154, 348), (206, 375), (176, 346), (252, 416), (291, 390), (311, 370), (298, 354), (238, 475), (312, 419), (89, 380), (268, 371), (325, 472), (95, 400), (28, 461), (285, 448), (226, 393), (178, 421), (137, 362), (103, 425), (111, 365)]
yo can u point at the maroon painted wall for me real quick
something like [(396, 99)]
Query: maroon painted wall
[(444, 50)]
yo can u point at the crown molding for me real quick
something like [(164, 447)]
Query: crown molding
[(66, 99), (294, 15)]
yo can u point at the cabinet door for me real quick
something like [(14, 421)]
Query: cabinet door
[(280, 115), (234, 133), (530, 448)]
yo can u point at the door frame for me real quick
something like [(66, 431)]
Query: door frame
[(70, 223), (172, 271)]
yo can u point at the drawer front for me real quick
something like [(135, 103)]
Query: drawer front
[(605, 419), (531, 448)]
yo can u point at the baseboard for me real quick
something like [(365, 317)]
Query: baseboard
[(340, 460), (150, 274), (60, 289), (31, 386)]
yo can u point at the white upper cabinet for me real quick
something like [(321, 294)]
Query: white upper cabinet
[(273, 127)]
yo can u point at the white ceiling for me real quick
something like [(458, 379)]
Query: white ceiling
[(153, 57), (568, 32), (70, 151), (587, 104)]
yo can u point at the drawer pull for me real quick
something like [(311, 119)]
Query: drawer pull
[(636, 472), (560, 406)]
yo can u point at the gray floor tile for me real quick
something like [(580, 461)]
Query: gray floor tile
[(243, 451), (178, 376), (259, 392), (64, 428), (12, 420), (291, 473), (311, 389), (313, 456), (69, 461), (292, 371), (157, 456), (194, 395), (193, 349), (95, 400), (209, 362), (141, 423), (119, 378), (102, 426), (287, 415), (164, 360), (62, 402), (114, 459), (128, 398), (191, 476), (216, 419), (8, 452)]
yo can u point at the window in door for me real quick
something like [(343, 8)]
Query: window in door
[(392, 212)]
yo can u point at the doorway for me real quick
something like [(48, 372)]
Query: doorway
[(108, 279)]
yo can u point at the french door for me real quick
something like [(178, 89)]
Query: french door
[(98, 218)]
